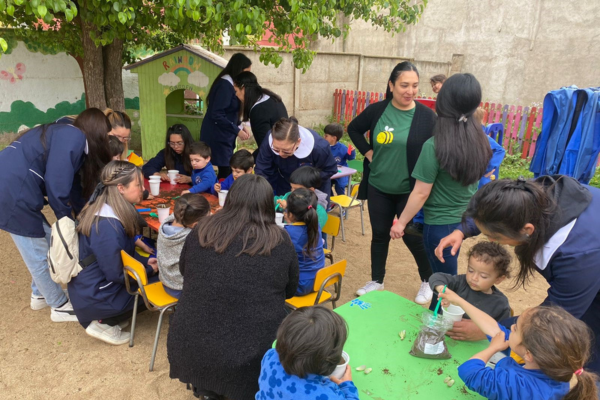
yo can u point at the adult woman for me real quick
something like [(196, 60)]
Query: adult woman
[(175, 155), (44, 162), (553, 224), (121, 128), (398, 128), (449, 169), (107, 225), (289, 147), (259, 106), (236, 280), (220, 125), (437, 81)]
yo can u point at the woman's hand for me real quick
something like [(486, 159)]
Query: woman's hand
[(183, 179), (163, 176), (243, 135), (466, 330), (397, 230), (369, 155), (153, 262), (454, 239), (346, 378)]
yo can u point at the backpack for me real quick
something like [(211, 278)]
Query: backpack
[(63, 255)]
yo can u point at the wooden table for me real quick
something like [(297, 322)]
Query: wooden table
[(374, 321), (168, 194)]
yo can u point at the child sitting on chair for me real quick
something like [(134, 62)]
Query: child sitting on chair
[(309, 347), (341, 153), (203, 175), (242, 162)]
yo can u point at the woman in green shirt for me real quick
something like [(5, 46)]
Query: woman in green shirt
[(448, 170)]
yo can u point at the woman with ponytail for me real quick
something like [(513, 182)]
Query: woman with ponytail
[(121, 129)]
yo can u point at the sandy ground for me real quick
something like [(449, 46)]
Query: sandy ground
[(40, 359)]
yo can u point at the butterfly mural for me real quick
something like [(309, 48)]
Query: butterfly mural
[(13, 74)]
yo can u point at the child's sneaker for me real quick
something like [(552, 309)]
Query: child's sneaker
[(37, 302), (425, 294), (64, 313), (106, 333), (369, 287)]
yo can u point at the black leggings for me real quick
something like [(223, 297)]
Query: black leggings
[(382, 209)]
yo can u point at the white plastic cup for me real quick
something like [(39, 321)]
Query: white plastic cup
[(154, 188), (453, 313), (154, 177), (279, 219), (339, 371), (173, 175), (222, 197), (163, 212)]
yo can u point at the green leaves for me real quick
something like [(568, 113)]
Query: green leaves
[(42, 10), (3, 45)]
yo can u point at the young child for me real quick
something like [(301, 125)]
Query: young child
[(116, 147), (189, 210), (203, 175), (303, 228), (309, 344), (489, 264), (554, 344), (242, 162), (341, 153), (308, 178)]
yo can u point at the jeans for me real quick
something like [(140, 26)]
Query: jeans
[(383, 207), (34, 252), (432, 235), (173, 292), (340, 186)]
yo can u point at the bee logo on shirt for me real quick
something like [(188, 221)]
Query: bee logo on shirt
[(385, 137)]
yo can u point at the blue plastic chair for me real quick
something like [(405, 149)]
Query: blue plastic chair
[(495, 131)]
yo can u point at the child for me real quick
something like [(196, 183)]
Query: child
[(308, 178), (489, 264), (554, 344), (341, 153), (116, 147), (203, 175), (309, 346), (189, 210), (242, 162), (304, 231)]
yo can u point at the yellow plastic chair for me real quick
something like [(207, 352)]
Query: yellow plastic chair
[(326, 277), (331, 228), (345, 203), (154, 296)]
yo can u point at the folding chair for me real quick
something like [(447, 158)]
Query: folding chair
[(154, 296), (327, 276), (345, 203), (331, 228)]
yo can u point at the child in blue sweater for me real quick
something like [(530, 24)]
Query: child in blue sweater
[(303, 228), (203, 175), (554, 345), (309, 344), (341, 153), (241, 163)]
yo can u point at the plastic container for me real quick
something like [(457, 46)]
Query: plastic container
[(222, 197), (279, 219), (453, 313), (163, 211), (154, 188), (339, 371), (173, 175)]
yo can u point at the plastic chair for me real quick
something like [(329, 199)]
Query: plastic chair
[(359, 167), (495, 131), (326, 277), (331, 228), (345, 203), (154, 296)]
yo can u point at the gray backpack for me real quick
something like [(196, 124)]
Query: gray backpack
[(63, 255)]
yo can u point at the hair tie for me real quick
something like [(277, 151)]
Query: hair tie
[(463, 118), (97, 192), (309, 206), (578, 372)]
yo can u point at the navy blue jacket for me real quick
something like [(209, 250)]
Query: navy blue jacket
[(277, 170), (203, 180), (220, 125), (157, 163), (32, 170)]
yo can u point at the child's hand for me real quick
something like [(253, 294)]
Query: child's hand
[(183, 179), (499, 342), (489, 174), (450, 296), (153, 262), (144, 247), (185, 192), (282, 204), (346, 378), (217, 187)]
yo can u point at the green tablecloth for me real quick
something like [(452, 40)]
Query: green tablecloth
[(374, 321)]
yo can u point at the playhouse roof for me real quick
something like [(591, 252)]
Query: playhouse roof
[(194, 49)]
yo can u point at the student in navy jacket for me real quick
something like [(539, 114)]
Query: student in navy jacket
[(107, 225), (289, 147), (220, 125), (553, 223), (175, 155), (49, 161)]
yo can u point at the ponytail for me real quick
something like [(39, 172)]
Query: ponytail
[(585, 387), (302, 204)]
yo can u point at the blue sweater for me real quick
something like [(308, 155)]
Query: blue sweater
[(509, 380), (498, 154), (308, 266), (203, 180), (275, 384), (340, 153), (33, 170), (225, 185), (157, 163)]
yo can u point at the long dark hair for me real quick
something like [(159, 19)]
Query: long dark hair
[(237, 63), (396, 72), (302, 204), (505, 207), (249, 213), (95, 126), (286, 129), (170, 154), (253, 91), (461, 147)]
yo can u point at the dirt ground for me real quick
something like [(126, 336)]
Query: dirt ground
[(40, 359)]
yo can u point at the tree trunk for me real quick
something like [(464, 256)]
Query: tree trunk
[(93, 68), (80, 63), (113, 75)]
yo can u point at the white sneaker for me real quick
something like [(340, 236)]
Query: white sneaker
[(369, 287), (425, 294), (65, 313), (39, 302), (107, 333), (124, 324)]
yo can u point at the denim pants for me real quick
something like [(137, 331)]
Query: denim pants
[(34, 252), (432, 235)]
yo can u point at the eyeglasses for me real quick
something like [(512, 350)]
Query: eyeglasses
[(176, 144), (123, 138), (286, 152)]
